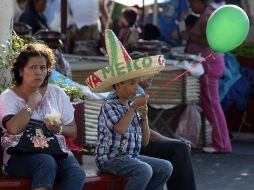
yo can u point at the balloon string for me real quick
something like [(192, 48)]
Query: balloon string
[(185, 72)]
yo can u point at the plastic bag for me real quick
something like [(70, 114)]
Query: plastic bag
[(189, 125), (53, 115)]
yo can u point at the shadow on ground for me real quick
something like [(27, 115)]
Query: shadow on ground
[(233, 171)]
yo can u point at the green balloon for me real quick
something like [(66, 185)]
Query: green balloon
[(227, 28)]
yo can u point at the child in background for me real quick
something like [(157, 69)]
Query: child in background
[(128, 31)]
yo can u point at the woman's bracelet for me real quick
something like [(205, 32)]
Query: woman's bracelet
[(29, 110)]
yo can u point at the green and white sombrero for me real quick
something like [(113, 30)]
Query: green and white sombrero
[(122, 67)]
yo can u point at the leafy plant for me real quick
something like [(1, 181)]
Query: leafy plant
[(246, 50), (74, 93), (9, 52), (2, 89)]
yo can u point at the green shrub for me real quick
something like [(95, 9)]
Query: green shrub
[(12, 49), (74, 93), (2, 89)]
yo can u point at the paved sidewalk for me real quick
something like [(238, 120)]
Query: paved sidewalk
[(233, 171)]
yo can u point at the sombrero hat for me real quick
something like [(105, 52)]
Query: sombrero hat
[(122, 67)]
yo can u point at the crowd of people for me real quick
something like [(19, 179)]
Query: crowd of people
[(126, 146)]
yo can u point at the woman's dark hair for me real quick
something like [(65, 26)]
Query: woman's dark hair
[(32, 50), (130, 14)]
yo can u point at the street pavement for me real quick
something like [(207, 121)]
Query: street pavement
[(234, 171)]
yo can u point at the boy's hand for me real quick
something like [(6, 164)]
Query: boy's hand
[(143, 111), (140, 101)]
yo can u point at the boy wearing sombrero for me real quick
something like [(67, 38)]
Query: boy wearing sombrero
[(121, 130)]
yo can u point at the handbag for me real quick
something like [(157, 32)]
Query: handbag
[(36, 138)]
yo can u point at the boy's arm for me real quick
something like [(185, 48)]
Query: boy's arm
[(121, 126), (145, 131), (125, 122), (144, 125)]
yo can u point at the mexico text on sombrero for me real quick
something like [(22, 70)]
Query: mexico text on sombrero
[(120, 69)]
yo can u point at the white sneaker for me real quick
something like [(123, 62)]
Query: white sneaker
[(210, 149)]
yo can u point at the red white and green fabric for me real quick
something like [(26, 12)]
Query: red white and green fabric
[(122, 67)]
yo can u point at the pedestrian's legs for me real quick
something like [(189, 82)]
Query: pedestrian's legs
[(41, 168), (178, 154), (162, 170), (139, 172), (210, 102), (71, 174)]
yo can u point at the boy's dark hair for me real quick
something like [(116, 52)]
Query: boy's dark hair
[(130, 14)]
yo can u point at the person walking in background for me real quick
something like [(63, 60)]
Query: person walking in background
[(214, 69)]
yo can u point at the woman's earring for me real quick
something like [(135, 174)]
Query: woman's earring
[(20, 74)]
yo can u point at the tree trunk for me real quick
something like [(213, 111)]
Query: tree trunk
[(6, 20)]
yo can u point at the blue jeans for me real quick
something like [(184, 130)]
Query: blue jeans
[(43, 169), (178, 154), (144, 172)]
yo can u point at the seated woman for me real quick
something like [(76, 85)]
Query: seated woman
[(30, 99)]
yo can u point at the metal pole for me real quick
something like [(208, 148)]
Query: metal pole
[(64, 16), (6, 21), (155, 13), (144, 12), (110, 14)]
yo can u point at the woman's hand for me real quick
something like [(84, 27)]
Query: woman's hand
[(53, 126), (34, 99)]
